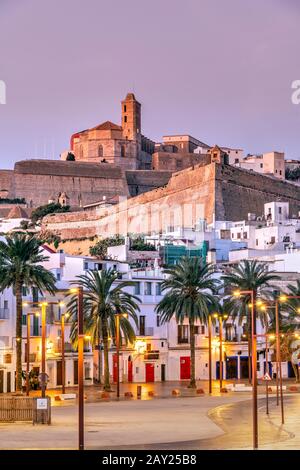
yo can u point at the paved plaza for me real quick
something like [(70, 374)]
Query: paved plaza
[(221, 421)]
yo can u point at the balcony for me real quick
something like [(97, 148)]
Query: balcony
[(182, 340), (151, 355), (4, 313), (148, 331)]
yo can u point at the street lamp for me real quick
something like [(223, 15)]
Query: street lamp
[(221, 318), (64, 316), (36, 314), (43, 306), (254, 362), (281, 299), (79, 292), (118, 315), (209, 355)]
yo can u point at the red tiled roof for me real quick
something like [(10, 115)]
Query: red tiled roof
[(17, 212), (107, 126)]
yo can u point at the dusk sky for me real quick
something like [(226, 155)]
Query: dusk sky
[(218, 70)]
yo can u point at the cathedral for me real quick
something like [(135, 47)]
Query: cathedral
[(124, 145), (106, 161)]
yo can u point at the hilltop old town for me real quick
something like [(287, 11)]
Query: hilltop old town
[(121, 210)]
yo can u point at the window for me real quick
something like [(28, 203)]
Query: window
[(239, 235), (35, 294), (58, 276), (236, 160), (256, 242), (36, 330), (157, 320), (86, 266), (280, 172), (148, 288), (24, 319), (202, 329), (137, 288), (142, 325), (261, 165), (272, 240), (245, 235), (182, 334), (279, 210), (5, 305), (158, 289), (125, 118), (197, 330), (122, 150), (125, 108), (100, 151)]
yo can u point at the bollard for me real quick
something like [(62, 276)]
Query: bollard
[(139, 391)]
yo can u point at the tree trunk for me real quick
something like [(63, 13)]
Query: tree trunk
[(99, 359), (106, 385), (19, 337), (193, 365), (296, 372)]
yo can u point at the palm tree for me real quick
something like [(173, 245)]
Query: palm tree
[(189, 287), (101, 302), (20, 266), (248, 275), (290, 326)]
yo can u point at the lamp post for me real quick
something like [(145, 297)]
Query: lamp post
[(264, 309), (80, 369), (44, 312), (209, 356), (118, 315), (81, 337), (43, 306), (281, 299), (36, 314), (254, 363), (64, 316), (221, 318)]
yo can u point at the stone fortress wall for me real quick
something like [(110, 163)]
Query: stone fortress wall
[(212, 192), (39, 181)]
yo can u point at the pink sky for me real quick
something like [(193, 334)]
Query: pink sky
[(218, 70)]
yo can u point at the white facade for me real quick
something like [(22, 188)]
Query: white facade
[(270, 163)]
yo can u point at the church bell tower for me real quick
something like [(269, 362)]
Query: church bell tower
[(131, 118)]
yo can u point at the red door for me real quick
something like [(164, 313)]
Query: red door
[(185, 368), (130, 371), (149, 372), (115, 366)]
